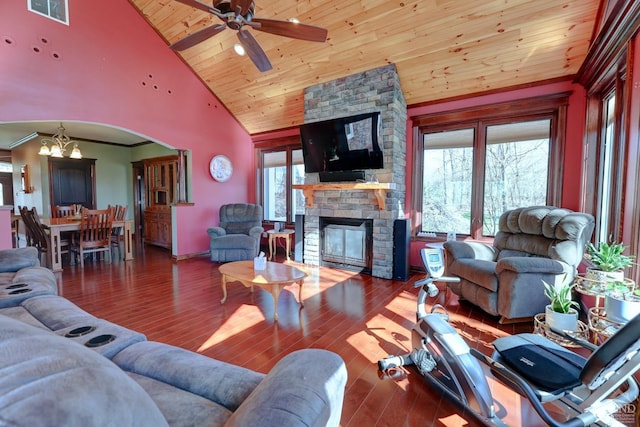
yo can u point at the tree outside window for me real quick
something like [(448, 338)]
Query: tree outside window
[(476, 164), (282, 167)]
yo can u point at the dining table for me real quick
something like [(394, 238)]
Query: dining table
[(58, 225)]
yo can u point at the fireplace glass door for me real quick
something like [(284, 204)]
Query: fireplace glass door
[(346, 245)]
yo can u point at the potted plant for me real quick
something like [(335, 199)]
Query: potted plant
[(622, 300), (607, 263), (561, 314)]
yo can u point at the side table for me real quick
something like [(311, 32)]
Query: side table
[(273, 235)]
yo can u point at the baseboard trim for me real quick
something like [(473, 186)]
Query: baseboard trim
[(188, 256)]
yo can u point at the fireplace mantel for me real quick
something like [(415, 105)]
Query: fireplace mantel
[(379, 189)]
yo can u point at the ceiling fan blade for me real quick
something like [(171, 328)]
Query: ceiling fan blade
[(294, 30), (244, 5), (254, 51), (197, 4), (197, 37)]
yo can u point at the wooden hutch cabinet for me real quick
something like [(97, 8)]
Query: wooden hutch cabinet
[(161, 183)]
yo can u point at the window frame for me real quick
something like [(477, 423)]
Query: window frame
[(288, 145), (611, 83), (553, 107)]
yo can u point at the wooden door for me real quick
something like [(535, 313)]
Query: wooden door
[(72, 181)]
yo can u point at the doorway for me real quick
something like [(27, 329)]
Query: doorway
[(72, 181), (139, 202), (6, 182)]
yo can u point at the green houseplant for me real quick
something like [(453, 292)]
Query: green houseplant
[(561, 313), (609, 256), (607, 264)]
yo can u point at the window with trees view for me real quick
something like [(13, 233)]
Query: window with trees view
[(280, 168), (475, 169)]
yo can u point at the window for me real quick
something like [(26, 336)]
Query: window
[(54, 9), (280, 168), (473, 170), (606, 151), (606, 169)]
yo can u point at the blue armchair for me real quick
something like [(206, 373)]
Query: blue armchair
[(238, 236)]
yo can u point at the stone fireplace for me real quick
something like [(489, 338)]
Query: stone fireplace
[(370, 91)]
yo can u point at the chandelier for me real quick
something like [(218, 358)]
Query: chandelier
[(59, 143)]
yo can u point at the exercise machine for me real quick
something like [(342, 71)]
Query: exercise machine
[(585, 391)]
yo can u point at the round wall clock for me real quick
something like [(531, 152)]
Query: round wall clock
[(220, 168)]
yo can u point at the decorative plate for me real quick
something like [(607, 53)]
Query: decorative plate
[(220, 168)]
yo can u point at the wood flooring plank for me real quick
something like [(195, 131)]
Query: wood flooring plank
[(359, 317)]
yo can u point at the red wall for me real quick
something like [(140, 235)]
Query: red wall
[(112, 68)]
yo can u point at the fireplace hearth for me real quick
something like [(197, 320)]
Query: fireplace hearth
[(346, 243)]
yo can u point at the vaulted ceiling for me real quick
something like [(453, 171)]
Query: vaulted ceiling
[(442, 48)]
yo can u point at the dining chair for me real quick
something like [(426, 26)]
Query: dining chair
[(37, 236), (62, 211), (95, 233), (119, 214)]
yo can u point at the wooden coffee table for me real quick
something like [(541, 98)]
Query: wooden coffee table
[(275, 277)]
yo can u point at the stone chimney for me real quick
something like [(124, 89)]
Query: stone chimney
[(370, 91)]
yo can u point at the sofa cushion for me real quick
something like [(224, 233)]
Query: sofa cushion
[(180, 407), (47, 380), (22, 314), (480, 272), (545, 231), (234, 241), (56, 312), (304, 389), (26, 283), (228, 385), (12, 260)]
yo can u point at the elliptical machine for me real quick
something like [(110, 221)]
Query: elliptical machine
[(586, 391)]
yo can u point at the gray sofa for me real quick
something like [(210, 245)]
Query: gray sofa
[(238, 235), (533, 244), (63, 366)]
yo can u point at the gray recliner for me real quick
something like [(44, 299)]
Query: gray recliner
[(238, 236), (533, 244)]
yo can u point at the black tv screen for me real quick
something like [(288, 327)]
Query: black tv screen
[(342, 144)]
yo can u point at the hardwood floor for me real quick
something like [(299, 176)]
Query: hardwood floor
[(360, 317)]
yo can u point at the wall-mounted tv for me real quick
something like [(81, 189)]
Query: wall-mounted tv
[(342, 144)]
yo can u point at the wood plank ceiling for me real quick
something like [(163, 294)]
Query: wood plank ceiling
[(441, 48)]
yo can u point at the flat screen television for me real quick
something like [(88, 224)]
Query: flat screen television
[(342, 144)]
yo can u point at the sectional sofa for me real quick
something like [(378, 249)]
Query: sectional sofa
[(60, 365)]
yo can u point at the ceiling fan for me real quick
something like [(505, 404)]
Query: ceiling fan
[(236, 14)]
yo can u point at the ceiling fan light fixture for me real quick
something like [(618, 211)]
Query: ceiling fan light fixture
[(238, 14), (238, 49)]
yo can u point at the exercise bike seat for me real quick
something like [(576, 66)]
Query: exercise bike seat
[(543, 363)]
